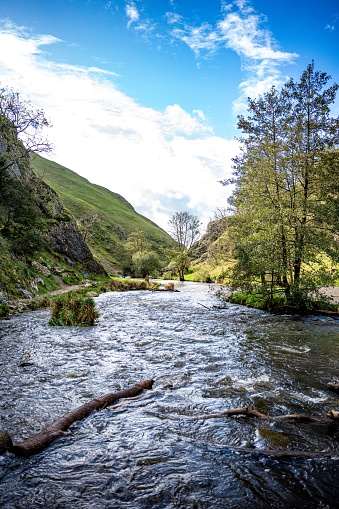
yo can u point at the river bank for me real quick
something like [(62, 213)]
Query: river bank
[(89, 288), (325, 302)]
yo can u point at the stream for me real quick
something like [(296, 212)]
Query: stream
[(205, 356)]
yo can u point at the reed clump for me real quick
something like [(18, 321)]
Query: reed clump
[(72, 309), (4, 310)]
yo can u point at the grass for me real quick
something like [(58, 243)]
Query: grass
[(4, 310), (72, 309), (99, 286)]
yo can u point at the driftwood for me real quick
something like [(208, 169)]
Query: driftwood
[(58, 428)]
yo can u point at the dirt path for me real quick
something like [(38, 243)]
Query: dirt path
[(66, 288)]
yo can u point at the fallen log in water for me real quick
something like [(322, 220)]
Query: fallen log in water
[(58, 428)]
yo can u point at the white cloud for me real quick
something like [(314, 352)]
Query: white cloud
[(160, 161), (200, 114), (244, 32), (176, 120), (173, 17), (132, 13)]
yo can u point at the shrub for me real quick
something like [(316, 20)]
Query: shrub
[(131, 284), (4, 310), (39, 303), (72, 309)]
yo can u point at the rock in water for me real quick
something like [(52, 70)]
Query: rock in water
[(5, 441)]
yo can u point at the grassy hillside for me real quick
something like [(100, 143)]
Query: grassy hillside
[(116, 218)]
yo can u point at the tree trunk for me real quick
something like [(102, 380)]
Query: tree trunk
[(57, 429)]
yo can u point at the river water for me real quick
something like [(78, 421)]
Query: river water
[(204, 357)]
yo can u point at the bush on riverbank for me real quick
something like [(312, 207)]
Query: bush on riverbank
[(279, 305), (4, 310), (72, 309), (123, 285)]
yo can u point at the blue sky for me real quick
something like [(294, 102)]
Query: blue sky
[(143, 96)]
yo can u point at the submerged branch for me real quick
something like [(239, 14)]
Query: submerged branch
[(290, 453), (333, 419), (332, 414)]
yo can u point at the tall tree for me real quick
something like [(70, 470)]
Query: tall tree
[(20, 133), (279, 225), (19, 121), (185, 229)]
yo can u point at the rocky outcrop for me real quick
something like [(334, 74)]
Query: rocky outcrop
[(64, 238), (214, 231)]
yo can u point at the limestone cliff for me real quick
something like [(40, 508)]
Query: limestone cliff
[(39, 238), (64, 238)]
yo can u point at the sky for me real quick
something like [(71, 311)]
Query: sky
[(143, 95)]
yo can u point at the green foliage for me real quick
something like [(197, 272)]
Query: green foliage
[(20, 133), (20, 218), (4, 310), (298, 303), (286, 194), (145, 262), (72, 309), (137, 242)]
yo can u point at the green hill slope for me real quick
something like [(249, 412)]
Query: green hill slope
[(115, 217)]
